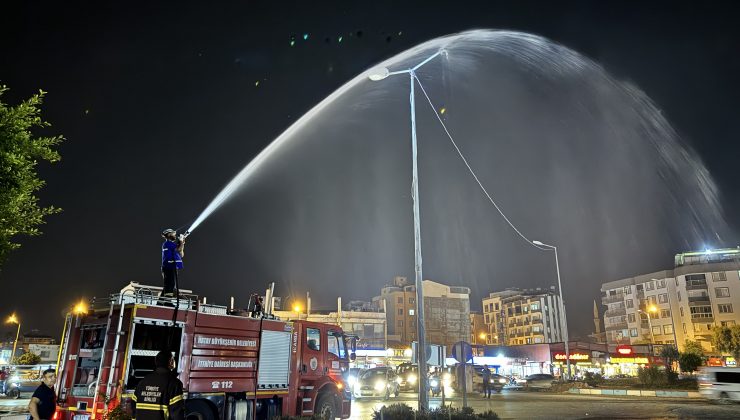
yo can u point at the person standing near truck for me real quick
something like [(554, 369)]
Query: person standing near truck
[(43, 403), (158, 395)]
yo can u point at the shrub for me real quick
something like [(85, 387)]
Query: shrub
[(404, 412), (652, 376), (689, 362), (593, 379)]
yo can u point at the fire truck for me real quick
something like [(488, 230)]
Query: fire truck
[(233, 366)]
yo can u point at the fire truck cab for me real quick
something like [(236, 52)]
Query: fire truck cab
[(232, 366)]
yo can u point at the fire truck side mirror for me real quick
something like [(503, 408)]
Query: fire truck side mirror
[(352, 357)]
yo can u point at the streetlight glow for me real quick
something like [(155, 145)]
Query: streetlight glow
[(297, 308), (12, 319), (482, 336), (653, 308)]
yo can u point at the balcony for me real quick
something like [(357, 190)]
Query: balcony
[(615, 312), (617, 326), (703, 319), (699, 301), (536, 321), (619, 297), (696, 285)]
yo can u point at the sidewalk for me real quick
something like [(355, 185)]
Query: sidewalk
[(635, 392)]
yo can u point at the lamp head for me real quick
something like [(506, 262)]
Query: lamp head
[(378, 74), (537, 243)]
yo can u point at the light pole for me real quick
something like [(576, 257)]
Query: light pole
[(13, 319), (563, 317), (377, 75)]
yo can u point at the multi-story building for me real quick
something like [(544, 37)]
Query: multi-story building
[(478, 328), (672, 306), (522, 316), (446, 312)]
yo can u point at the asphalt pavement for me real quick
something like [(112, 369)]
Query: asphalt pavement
[(542, 405)]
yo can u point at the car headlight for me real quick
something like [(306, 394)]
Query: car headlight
[(502, 380), (447, 382), (399, 379), (412, 379), (434, 383), (351, 380), (379, 386)]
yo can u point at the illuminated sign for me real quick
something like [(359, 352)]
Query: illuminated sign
[(573, 356), (714, 361), (638, 360), (624, 349), (730, 361)]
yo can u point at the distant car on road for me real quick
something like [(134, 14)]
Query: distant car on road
[(408, 375), (380, 381), (538, 381), (720, 383)]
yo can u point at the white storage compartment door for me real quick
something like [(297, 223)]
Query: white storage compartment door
[(274, 361)]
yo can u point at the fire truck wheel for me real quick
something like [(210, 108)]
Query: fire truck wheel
[(198, 410), (325, 408)]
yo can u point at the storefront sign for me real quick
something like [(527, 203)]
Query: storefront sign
[(714, 361), (637, 360), (730, 362), (625, 350), (573, 356)]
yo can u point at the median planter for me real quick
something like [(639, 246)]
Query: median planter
[(404, 412)]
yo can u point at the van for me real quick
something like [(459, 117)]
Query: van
[(720, 383)]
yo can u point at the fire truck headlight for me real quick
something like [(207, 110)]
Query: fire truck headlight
[(412, 379), (351, 380), (380, 385)]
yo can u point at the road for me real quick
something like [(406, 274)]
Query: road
[(535, 405)]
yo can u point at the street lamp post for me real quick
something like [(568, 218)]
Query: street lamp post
[(377, 75), (13, 319), (563, 316)]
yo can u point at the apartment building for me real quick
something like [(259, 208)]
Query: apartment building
[(522, 316), (672, 306), (446, 312)]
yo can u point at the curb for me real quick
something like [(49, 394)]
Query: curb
[(635, 393)]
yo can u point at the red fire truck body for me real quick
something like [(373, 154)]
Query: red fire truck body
[(232, 366)]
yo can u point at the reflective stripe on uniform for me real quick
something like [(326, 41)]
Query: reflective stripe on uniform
[(175, 399), (133, 397), (145, 406)]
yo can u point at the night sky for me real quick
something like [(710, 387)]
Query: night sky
[(161, 105)]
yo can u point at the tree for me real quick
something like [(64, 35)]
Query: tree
[(727, 340), (670, 354), (693, 347), (689, 362), (27, 358), (20, 151)]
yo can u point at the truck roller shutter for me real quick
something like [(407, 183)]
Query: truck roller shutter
[(274, 362)]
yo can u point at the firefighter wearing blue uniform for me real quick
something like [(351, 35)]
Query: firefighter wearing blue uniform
[(158, 396), (173, 250)]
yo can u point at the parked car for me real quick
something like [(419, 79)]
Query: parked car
[(720, 383), (380, 381), (497, 382)]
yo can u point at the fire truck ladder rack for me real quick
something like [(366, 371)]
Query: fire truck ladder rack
[(134, 293)]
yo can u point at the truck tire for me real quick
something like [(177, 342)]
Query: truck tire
[(325, 408), (198, 410), (14, 393)]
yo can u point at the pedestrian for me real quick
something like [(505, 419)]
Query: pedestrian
[(3, 378), (486, 381), (173, 250), (43, 403), (158, 395)]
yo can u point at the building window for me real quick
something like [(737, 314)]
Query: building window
[(663, 298), (631, 317), (722, 292), (627, 290), (488, 320), (538, 340), (400, 323), (633, 332), (649, 286), (535, 306), (728, 323), (630, 303), (681, 310), (665, 313), (684, 328), (679, 295), (653, 300), (400, 299), (720, 276), (701, 312), (411, 300), (661, 284), (496, 306), (725, 308), (656, 331), (411, 312), (667, 329), (400, 311)]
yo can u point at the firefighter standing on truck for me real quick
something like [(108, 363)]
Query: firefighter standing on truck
[(159, 395), (173, 250)]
